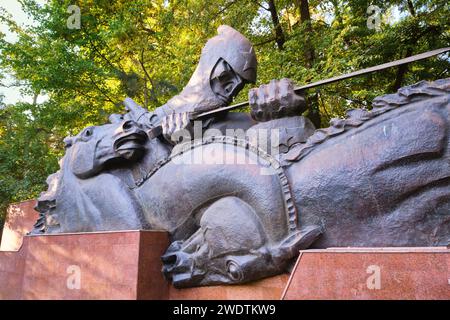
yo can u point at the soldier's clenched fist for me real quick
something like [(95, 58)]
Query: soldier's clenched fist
[(275, 100), (175, 126)]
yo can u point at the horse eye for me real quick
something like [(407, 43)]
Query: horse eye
[(88, 132), (234, 271)]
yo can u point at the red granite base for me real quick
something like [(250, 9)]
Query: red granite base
[(127, 265), (371, 273), (12, 265), (20, 218), (111, 265), (265, 289)]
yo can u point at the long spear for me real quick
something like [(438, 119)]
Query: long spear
[(156, 131), (391, 64)]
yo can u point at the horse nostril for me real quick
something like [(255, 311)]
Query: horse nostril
[(128, 125), (169, 258)]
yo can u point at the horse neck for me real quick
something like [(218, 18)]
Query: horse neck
[(156, 152)]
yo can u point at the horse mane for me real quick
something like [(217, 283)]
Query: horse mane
[(56, 202), (46, 202), (356, 117)]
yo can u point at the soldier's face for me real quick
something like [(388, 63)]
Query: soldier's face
[(225, 83)]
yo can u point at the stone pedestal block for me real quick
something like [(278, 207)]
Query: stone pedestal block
[(20, 218), (127, 265), (371, 273), (106, 265), (265, 289)]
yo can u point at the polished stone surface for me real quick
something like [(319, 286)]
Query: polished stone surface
[(41, 274), (108, 265), (126, 265), (112, 265), (371, 273), (265, 289), (20, 218)]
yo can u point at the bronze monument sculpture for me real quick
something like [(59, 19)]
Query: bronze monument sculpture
[(238, 209)]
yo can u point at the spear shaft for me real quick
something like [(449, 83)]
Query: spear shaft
[(300, 89)]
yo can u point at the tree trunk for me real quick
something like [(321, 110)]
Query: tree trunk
[(313, 110), (401, 71), (35, 97), (279, 34), (411, 8), (305, 18)]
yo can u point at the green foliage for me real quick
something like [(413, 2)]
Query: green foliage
[(147, 49)]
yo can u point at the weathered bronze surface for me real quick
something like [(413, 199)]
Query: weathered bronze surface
[(238, 203)]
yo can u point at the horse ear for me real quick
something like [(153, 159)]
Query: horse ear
[(135, 111), (299, 240), (115, 118)]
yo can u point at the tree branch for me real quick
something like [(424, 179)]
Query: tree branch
[(100, 90), (105, 58), (280, 38), (259, 4), (264, 42), (228, 5), (147, 75)]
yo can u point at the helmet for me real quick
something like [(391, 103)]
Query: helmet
[(235, 49), (197, 95)]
